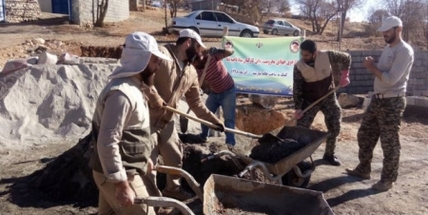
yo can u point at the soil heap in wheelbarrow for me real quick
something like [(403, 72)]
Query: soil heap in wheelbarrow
[(273, 152)]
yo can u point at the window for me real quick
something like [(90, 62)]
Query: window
[(190, 14), (270, 22), (221, 17), (206, 16), (287, 24), (280, 23)]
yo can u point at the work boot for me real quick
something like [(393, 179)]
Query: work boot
[(333, 160), (180, 194), (357, 173), (382, 185)]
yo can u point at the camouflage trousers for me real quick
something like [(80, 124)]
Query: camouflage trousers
[(332, 116), (383, 119)]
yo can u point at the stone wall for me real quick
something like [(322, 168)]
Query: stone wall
[(21, 10), (85, 11), (362, 80)]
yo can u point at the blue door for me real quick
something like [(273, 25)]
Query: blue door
[(2, 11), (60, 6)]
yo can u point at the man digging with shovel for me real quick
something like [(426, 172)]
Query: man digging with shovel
[(172, 81), (314, 78), (222, 88)]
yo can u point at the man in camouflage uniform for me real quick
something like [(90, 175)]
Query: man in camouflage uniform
[(383, 117), (314, 77)]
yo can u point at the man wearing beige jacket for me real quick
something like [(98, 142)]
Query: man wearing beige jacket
[(173, 81), (121, 130)]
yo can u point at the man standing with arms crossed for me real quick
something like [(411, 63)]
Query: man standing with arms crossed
[(222, 88), (383, 116), (121, 130), (314, 77), (172, 81)]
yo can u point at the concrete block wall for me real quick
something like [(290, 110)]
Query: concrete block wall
[(85, 11), (21, 10), (362, 80)]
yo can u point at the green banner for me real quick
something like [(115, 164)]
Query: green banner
[(263, 65)]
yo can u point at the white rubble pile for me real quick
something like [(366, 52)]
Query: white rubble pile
[(50, 102)]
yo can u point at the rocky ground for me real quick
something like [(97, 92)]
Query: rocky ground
[(345, 195)]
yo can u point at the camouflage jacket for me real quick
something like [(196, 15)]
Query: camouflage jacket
[(338, 62)]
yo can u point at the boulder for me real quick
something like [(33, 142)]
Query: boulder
[(38, 41), (267, 102), (17, 64), (348, 100), (47, 58)]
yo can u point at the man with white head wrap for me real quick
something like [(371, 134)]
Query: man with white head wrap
[(121, 130)]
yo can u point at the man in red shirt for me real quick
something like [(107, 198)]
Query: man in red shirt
[(222, 88)]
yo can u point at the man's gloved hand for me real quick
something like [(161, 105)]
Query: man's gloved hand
[(344, 78), (298, 114), (219, 127), (158, 104)]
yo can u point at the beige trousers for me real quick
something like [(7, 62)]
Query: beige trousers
[(170, 148), (107, 203)]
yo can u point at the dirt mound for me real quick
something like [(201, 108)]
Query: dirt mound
[(193, 154), (68, 177), (258, 120), (47, 103), (274, 152), (101, 51)]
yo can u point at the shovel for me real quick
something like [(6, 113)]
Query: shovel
[(268, 137), (183, 120), (293, 120)]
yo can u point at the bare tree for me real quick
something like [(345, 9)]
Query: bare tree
[(343, 7), (320, 12), (411, 13), (376, 16), (174, 7), (284, 6), (101, 13)]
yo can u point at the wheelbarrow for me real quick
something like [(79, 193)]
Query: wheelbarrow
[(291, 170), (170, 202), (231, 195)]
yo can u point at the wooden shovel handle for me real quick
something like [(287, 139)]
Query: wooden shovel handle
[(211, 125), (313, 104)]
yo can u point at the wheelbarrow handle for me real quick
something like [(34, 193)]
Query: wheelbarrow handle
[(189, 178), (164, 202), (211, 125)]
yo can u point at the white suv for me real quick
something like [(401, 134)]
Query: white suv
[(211, 23)]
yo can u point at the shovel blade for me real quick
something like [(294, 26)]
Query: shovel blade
[(183, 124)]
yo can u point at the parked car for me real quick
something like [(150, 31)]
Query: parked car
[(280, 27), (211, 23)]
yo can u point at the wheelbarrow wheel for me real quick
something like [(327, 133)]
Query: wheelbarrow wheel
[(291, 179)]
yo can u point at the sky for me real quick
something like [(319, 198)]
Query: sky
[(356, 15)]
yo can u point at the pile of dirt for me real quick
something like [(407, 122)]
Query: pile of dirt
[(274, 152), (46, 103), (258, 120), (27, 49), (193, 154), (101, 51)]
